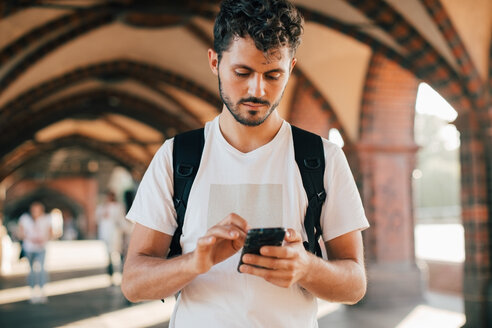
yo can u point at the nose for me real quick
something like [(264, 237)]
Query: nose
[(256, 86)]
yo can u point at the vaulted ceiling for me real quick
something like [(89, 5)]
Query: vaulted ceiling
[(118, 77)]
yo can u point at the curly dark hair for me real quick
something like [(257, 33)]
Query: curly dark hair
[(270, 23)]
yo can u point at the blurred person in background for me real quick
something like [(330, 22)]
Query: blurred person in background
[(110, 217), (35, 230), (70, 231)]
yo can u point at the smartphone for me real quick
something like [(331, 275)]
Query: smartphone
[(257, 238)]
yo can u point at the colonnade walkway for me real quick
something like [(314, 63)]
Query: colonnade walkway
[(81, 294)]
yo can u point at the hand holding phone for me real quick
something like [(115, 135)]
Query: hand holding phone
[(257, 238)]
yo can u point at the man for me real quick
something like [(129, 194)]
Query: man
[(110, 217), (248, 178), (35, 230)]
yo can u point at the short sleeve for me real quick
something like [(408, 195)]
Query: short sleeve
[(24, 220), (342, 211), (153, 204)]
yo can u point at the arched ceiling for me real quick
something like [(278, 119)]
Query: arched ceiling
[(128, 74)]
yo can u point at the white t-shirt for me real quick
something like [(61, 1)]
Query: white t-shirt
[(263, 186), (37, 232)]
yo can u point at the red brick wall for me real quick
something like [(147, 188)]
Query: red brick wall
[(307, 113), (387, 158), (309, 110)]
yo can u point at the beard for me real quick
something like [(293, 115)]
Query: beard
[(252, 117)]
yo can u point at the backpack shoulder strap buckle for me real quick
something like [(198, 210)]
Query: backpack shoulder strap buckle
[(312, 163), (184, 170)]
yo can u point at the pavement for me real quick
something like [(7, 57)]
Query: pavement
[(81, 294)]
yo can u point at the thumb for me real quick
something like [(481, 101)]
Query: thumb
[(292, 236)]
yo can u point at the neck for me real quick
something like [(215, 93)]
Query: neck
[(248, 138)]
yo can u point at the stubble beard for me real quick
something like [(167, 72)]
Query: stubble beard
[(252, 119)]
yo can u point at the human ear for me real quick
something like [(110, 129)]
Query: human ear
[(213, 61), (293, 63)]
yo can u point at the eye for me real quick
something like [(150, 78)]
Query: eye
[(273, 76), (241, 73)]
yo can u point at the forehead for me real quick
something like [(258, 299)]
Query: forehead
[(243, 51), (36, 206)]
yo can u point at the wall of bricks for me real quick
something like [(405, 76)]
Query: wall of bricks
[(309, 110), (386, 156), (476, 221)]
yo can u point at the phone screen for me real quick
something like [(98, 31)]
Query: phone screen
[(257, 238)]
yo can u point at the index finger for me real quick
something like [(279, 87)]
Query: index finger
[(236, 220)]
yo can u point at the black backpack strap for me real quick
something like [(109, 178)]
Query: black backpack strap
[(187, 153), (310, 158)]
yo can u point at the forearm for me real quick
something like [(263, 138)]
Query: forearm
[(149, 278), (342, 281)]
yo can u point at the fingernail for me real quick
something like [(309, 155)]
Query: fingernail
[(233, 234)]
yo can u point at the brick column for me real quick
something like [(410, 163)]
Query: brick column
[(476, 202), (386, 156)]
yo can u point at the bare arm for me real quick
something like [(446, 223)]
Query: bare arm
[(343, 277), (340, 279), (149, 275)]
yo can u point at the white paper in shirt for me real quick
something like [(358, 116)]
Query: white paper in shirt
[(259, 204)]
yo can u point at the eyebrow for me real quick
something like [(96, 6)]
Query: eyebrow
[(275, 70)]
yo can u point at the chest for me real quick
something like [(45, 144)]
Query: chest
[(264, 188), (36, 227)]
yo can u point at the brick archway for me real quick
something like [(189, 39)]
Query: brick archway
[(29, 153), (89, 103), (142, 72), (311, 111)]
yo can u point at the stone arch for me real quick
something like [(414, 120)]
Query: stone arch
[(51, 198), (91, 103), (142, 72), (468, 71), (27, 154), (75, 25)]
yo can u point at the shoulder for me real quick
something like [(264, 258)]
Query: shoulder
[(332, 150), (24, 218), (165, 150), (163, 156)]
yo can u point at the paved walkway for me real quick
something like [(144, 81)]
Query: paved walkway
[(81, 294)]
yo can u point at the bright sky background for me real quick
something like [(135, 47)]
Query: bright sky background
[(335, 137), (430, 102)]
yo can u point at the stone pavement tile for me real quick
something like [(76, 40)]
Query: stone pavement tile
[(104, 305), (357, 317), (62, 309)]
